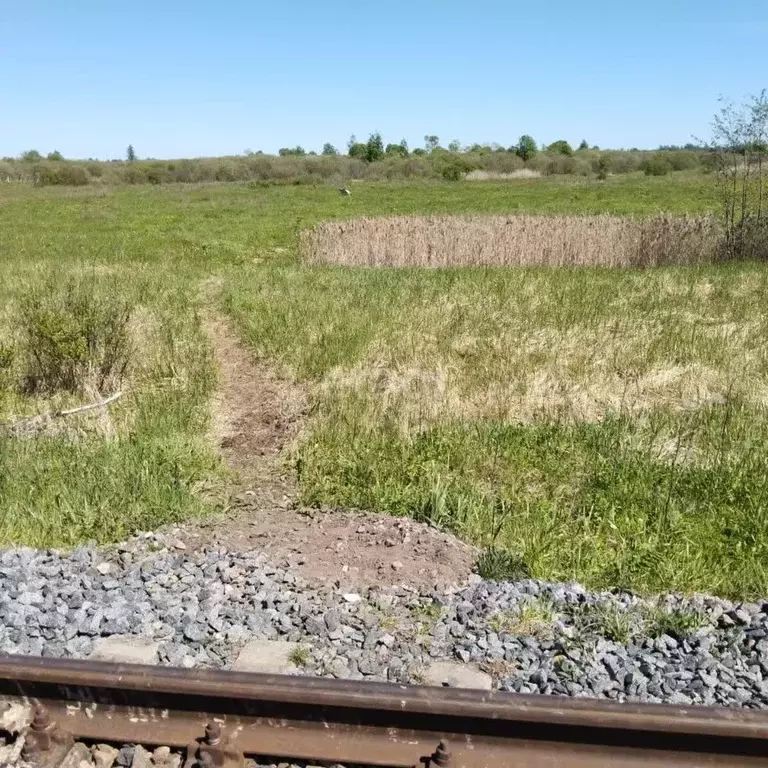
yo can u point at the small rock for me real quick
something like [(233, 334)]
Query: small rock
[(141, 758), (77, 757), (125, 757), (451, 674), (352, 597), (104, 755)]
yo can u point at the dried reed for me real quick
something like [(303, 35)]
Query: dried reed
[(508, 241)]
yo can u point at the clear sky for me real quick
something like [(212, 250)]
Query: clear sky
[(184, 78)]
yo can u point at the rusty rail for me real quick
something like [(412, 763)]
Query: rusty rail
[(228, 715)]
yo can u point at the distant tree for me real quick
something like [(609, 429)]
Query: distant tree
[(396, 149), (31, 156), (419, 151), (329, 150), (431, 143), (374, 148), (312, 153), (356, 148), (455, 146), (583, 145), (526, 147), (739, 149), (560, 147), (297, 151), (130, 154), (55, 155), (595, 148)]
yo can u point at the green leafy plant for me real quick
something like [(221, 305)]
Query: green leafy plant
[(560, 147), (74, 335), (526, 147)]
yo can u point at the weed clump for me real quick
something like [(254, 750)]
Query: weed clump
[(75, 337), (501, 565), (300, 656), (673, 622)]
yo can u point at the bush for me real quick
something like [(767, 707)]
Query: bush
[(623, 162), (601, 167), (451, 167), (657, 165), (557, 165), (682, 160), (75, 336), (560, 147), (60, 174)]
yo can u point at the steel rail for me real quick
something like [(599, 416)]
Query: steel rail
[(313, 719)]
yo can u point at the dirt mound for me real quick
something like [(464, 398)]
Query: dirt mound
[(257, 415), (351, 550)]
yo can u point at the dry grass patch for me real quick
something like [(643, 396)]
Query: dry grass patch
[(507, 241)]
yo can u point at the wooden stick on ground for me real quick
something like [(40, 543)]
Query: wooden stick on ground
[(24, 425)]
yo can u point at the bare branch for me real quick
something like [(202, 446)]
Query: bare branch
[(22, 426)]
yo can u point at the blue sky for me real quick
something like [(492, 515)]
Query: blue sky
[(191, 78)]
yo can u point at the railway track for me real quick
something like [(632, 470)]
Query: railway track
[(221, 718)]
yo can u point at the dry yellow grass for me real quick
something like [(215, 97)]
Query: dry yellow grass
[(510, 241)]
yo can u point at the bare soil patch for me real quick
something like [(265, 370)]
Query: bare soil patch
[(348, 550), (258, 414)]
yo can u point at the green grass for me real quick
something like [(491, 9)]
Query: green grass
[(606, 426), (81, 481)]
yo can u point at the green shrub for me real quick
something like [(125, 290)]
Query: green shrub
[(682, 160), (601, 167), (559, 165), (75, 335), (560, 147), (657, 165), (526, 147), (451, 167), (60, 174)]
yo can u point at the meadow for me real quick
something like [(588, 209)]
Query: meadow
[(605, 425)]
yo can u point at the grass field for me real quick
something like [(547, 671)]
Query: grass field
[(605, 425)]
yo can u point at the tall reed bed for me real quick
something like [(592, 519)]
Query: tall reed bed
[(511, 241)]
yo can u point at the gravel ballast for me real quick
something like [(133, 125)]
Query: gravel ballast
[(202, 607)]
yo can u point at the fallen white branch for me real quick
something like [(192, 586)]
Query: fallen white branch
[(22, 425)]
